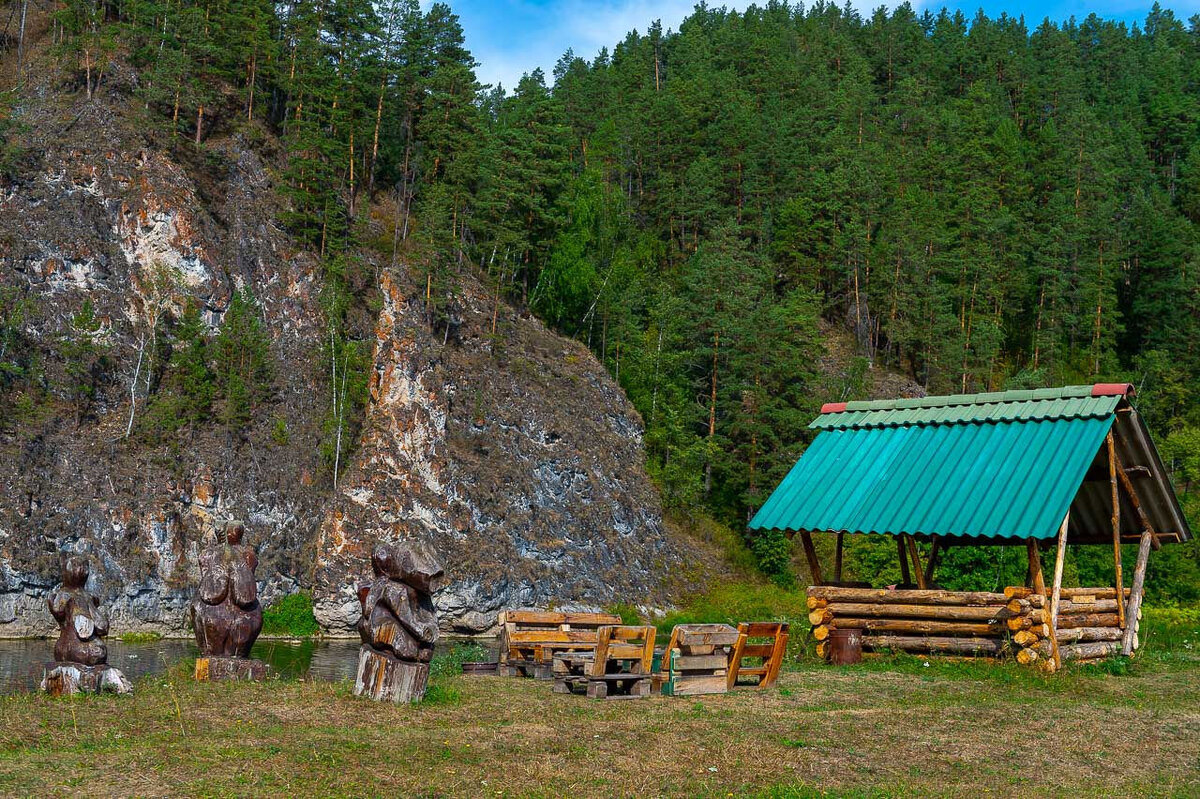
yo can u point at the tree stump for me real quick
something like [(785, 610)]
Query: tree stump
[(216, 669), (68, 679), (384, 677)]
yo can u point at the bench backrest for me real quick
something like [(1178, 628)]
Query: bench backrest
[(523, 630), (628, 643)]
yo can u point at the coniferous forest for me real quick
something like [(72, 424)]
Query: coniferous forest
[(971, 204)]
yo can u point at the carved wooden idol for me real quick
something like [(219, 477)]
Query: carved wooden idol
[(80, 656), (226, 615), (398, 625)]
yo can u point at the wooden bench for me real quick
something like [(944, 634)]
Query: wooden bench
[(764, 642), (529, 639), (696, 660), (619, 668)]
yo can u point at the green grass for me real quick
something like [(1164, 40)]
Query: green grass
[(139, 637), (888, 727)]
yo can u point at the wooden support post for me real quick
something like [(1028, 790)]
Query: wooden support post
[(1056, 593), (1136, 502), (905, 577), (810, 554), (837, 561), (931, 565), (1116, 523), (1135, 594), (915, 554), (1035, 567)]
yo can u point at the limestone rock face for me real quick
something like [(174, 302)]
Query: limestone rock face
[(516, 457), (507, 448), (97, 211)]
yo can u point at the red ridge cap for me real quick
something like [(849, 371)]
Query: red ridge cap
[(833, 407), (1112, 389)]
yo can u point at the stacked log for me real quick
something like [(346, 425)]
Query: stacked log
[(1088, 627), (923, 621), (1016, 621)]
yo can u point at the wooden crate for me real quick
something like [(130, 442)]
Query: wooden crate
[(618, 668), (696, 660), (529, 639), (763, 642)]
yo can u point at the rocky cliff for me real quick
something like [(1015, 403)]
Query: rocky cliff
[(511, 450)]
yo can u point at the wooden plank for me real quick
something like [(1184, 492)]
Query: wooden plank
[(531, 637), (1134, 610), (697, 686), (556, 617), (603, 640), (775, 663), (1056, 592), (1116, 519), (735, 658), (905, 576), (706, 635), (714, 662), (761, 629)]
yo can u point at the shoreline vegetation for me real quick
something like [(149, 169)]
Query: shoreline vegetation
[(894, 725)]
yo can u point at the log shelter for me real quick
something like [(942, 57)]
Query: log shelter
[(1036, 469)]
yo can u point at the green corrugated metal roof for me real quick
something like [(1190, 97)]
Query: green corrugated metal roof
[(989, 465), (1032, 410)]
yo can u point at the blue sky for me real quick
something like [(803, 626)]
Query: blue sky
[(510, 37)]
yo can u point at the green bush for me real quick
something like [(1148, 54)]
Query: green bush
[(291, 616)]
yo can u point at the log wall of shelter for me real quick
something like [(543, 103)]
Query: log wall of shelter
[(1014, 623)]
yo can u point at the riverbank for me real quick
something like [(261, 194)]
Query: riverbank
[(893, 726)]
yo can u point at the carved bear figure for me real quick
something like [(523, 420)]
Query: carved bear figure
[(226, 614), (81, 621)]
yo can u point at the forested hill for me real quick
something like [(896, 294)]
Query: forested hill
[(982, 203)]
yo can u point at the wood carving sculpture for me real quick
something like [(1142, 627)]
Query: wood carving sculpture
[(80, 656), (398, 625)]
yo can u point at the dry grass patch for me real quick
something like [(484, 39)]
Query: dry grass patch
[(881, 729)]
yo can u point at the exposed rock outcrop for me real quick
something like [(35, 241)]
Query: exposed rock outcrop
[(514, 454)]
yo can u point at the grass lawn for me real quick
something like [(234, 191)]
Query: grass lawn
[(888, 727)]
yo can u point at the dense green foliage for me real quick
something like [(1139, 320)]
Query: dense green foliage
[(980, 204), (291, 616)]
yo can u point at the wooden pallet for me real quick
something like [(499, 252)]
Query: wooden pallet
[(619, 668), (764, 642), (529, 639), (696, 660)]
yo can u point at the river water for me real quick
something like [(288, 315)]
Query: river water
[(21, 661)]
